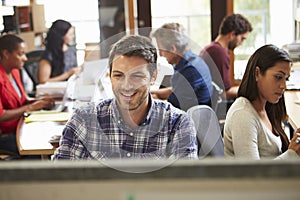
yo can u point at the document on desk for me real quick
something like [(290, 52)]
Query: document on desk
[(48, 116), (294, 80), (55, 89), (38, 135)]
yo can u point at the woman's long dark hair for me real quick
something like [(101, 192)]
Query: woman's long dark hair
[(265, 57), (54, 42)]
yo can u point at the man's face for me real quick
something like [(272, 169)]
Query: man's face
[(237, 41), (131, 80), (170, 55)]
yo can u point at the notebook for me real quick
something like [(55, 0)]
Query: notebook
[(59, 105), (92, 81)]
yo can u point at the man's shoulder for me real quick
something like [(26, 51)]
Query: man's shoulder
[(94, 107), (167, 107), (214, 47)]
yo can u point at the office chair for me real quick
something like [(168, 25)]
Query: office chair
[(210, 140), (216, 96), (8, 155), (31, 66), (220, 105)]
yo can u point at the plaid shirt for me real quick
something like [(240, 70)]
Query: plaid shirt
[(97, 131)]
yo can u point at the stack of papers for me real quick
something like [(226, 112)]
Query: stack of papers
[(43, 116), (294, 81), (55, 89)]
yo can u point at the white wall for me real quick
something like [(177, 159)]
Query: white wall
[(282, 26)]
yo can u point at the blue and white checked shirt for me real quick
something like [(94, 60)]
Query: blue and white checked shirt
[(97, 131)]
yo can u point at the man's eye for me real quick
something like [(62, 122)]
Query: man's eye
[(137, 77), (117, 75)]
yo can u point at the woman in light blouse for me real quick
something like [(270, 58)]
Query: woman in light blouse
[(254, 123)]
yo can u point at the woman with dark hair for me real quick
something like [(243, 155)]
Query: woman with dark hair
[(254, 122), (13, 100), (59, 60)]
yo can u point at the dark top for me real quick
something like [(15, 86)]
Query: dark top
[(218, 60), (191, 82), (70, 60)]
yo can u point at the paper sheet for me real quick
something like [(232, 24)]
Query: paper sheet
[(48, 116)]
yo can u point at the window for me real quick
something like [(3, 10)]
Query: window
[(83, 15), (270, 25), (194, 15)]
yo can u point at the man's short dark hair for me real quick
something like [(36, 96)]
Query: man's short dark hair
[(135, 45), (235, 22)]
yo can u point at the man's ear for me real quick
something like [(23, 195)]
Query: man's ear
[(173, 49), (154, 76), (232, 34)]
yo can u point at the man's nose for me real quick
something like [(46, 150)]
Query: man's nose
[(127, 83)]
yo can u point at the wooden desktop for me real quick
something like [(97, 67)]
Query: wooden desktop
[(292, 101), (33, 138)]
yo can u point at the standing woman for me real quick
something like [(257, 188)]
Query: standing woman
[(59, 61), (254, 122), (13, 100)]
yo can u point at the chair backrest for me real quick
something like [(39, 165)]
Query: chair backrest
[(32, 65), (216, 96), (209, 136)]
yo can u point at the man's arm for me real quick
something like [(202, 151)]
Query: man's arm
[(161, 93), (70, 146), (231, 93)]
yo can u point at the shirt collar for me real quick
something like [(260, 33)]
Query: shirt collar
[(183, 60)]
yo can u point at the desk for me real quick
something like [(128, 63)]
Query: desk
[(32, 138), (293, 109), (225, 179)]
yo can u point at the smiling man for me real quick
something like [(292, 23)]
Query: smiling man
[(131, 125)]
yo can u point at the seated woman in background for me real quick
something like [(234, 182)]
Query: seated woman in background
[(13, 100), (254, 122), (59, 60)]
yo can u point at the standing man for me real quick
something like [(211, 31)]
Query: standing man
[(131, 125), (233, 30), (191, 82)]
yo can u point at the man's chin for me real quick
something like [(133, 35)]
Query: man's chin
[(126, 106)]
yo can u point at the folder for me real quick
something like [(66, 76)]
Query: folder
[(48, 116)]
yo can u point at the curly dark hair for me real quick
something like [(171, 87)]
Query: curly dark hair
[(235, 22), (9, 42)]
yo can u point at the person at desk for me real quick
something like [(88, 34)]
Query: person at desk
[(254, 122), (233, 30), (14, 101), (58, 62), (133, 124), (191, 82)]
